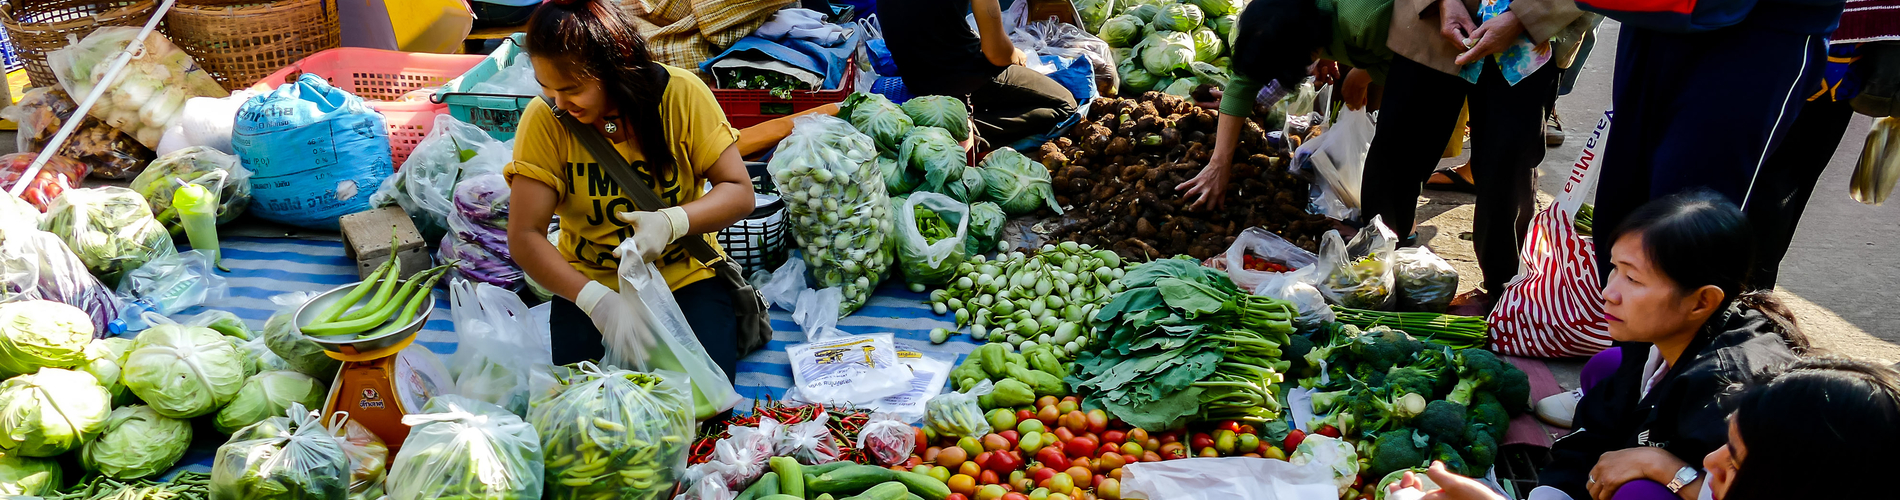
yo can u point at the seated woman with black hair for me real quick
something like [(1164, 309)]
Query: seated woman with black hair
[(1823, 428)]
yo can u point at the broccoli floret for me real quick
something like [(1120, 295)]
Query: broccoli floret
[(1481, 450), (1376, 354), (1476, 370), (1486, 410), (1405, 344), (1443, 421), (1513, 389), (1411, 380), (1393, 412), (1295, 350), (1394, 450), (1453, 461)]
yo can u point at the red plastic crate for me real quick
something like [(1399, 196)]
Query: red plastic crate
[(383, 77), (745, 108)]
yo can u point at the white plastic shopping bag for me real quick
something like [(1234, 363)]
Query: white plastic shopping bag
[(661, 339), (1338, 161), (501, 359), (1554, 307), (1227, 478)]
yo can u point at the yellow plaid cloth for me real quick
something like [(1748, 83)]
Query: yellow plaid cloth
[(684, 33)]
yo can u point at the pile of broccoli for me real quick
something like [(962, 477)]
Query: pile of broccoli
[(1409, 402)]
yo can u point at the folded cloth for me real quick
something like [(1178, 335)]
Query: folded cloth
[(685, 33), (804, 24)]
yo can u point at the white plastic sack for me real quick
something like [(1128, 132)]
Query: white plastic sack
[(1266, 245), (927, 377), (887, 438), (1298, 287), (174, 283), (923, 261), (849, 369), (517, 78), (452, 151), (1426, 281), (1338, 161), (737, 461), (817, 313), (499, 358), (1226, 478), (36, 264), (809, 442), (674, 348), (205, 121), (781, 287)]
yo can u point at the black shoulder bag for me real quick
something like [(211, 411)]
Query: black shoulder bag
[(755, 327)]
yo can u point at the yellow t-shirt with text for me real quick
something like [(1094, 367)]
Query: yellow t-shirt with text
[(587, 198)]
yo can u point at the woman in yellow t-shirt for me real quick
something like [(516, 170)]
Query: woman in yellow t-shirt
[(592, 64)]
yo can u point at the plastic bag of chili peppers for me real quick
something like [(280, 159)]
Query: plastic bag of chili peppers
[(888, 439), (736, 462), (810, 442)]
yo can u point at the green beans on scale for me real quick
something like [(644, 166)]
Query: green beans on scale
[(1028, 300)]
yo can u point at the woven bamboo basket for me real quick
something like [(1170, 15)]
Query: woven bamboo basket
[(39, 27), (239, 42)]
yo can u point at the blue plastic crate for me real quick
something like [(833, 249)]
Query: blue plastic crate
[(496, 113)]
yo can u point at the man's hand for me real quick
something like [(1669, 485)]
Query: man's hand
[(1493, 37), (1353, 91), (1622, 466), (1208, 189), (1017, 57), (1324, 72), (1455, 22)]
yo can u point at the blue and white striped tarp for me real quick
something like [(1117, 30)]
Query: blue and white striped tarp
[(262, 268)]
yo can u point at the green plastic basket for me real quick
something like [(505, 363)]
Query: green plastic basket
[(496, 113)]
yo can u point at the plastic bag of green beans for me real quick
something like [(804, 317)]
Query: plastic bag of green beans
[(461, 448), (621, 434)]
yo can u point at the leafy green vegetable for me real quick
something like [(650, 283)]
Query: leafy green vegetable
[(137, 442), (986, 227), (50, 412), (1210, 74), (1217, 8), (884, 122), (943, 112), (269, 393), (1094, 12), (1207, 45), (930, 243), (1135, 77), (1121, 31), (935, 152), (42, 333), (1016, 183), (1223, 25), (217, 171), (1164, 52), (28, 476), (969, 187), (1143, 12), (1183, 87), (103, 358), (463, 448), (183, 371), (290, 457), (899, 178), (1181, 17)]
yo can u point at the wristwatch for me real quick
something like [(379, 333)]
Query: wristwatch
[(1684, 476)]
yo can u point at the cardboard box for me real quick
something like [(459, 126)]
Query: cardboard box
[(366, 240)]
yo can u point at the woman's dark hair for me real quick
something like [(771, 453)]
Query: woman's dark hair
[(601, 45), (1822, 429), (1698, 238), (1277, 39)]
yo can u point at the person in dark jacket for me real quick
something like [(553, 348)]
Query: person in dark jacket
[(1686, 333), (938, 54)]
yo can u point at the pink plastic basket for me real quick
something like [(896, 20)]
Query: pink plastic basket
[(383, 77)]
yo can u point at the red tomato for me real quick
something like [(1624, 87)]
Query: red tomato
[(1329, 431), (1295, 437), (1053, 458), (988, 477), (1116, 437)]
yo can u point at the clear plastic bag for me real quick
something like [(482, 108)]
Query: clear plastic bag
[(887, 438), (369, 456), (225, 322), (1426, 281), (42, 111), (736, 462), (174, 283), (639, 424), (848, 369), (149, 93), (477, 240), (785, 283), (924, 261), (957, 414), (463, 448), (35, 264), (217, 171), (517, 78), (1297, 287), (17, 212), (299, 351), (674, 346), (453, 150), (809, 442), (838, 208), (1267, 246), (1359, 274), (59, 175), (281, 458), (498, 358), (111, 229), (1337, 161), (817, 312), (927, 377)]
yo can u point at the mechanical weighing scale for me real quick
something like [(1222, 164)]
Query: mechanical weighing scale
[(381, 379)]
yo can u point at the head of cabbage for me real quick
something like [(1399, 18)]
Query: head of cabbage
[(267, 395), (884, 122), (1016, 183), (1182, 17), (137, 442), (1223, 25), (986, 227), (935, 152), (41, 333), (1093, 12), (1121, 31), (944, 112), (103, 357), (1207, 45), (49, 412), (1183, 87), (1217, 8), (899, 178), (296, 349), (1164, 52), (969, 187), (1135, 77), (183, 371), (28, 476), (1143, 12)]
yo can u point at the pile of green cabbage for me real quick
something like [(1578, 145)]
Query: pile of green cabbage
[(28, 476), (49, 412), (268, 394), (1158, 42), (183, 371), (943, 112), (877, 117), (1017, 184), (111, 229), (288, 457), (835, 198), (137, 443), (42, 333)]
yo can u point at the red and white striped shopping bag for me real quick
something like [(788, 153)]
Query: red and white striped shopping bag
[(1554, 307)]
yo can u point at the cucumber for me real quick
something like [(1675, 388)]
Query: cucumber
[(766, 485), (827, 467), (791, 479), (851, 479), (781, 496), (892, 490), (924, 486)]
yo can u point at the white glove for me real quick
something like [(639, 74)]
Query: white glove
[(620, 330), (653, 231)]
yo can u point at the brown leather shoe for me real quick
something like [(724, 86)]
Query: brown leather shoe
[(1472, 303)]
